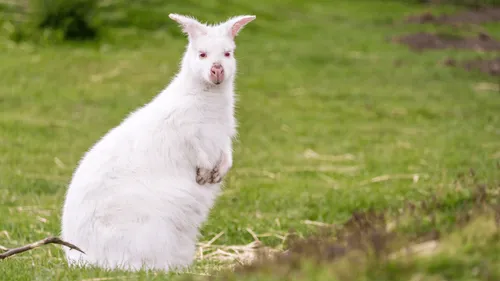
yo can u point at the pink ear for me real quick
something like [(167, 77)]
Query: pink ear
[(237, 23), (189, 25)]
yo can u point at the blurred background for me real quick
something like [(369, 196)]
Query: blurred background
[(343, 106)]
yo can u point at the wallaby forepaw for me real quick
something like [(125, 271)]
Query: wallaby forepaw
[(204, 176), (215, 176)]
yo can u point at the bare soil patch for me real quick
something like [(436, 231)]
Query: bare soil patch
[(462, 21), (424, 41), (488, 66), (478, 16)]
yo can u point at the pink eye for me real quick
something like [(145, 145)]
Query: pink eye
[(227, 54), (203, 55)]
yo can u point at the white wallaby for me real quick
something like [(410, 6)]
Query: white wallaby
[(140, 195)]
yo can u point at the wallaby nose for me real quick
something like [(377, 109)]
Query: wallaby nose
[(217, 73)]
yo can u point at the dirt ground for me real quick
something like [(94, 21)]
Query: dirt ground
[(491, 66), (482, 42), (423, 41), (479, 16), (487, 66)]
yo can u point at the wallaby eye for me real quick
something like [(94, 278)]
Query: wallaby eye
[(227, 54), (203, 55)]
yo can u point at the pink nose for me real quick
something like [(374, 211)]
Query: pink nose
[(217, 73)]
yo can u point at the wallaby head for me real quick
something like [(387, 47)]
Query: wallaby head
[(210, 53)]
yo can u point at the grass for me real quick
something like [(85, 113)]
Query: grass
[(329, 125)]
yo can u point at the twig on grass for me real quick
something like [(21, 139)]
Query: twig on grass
[(214, 239), (254, 236), (414, 177), (317, 223), (202, 246), (46, 241), (311, 154)]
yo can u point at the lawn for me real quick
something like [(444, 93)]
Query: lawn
[(333, 119)]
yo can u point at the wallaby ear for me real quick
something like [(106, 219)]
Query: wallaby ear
[(237, 23), (189, 25)]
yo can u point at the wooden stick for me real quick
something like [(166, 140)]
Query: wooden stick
[(46, 241)]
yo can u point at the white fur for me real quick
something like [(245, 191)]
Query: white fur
[(134, 201)]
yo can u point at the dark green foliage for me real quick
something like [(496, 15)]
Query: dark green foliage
[(75, 19)]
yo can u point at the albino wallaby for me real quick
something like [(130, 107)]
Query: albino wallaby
[(141, 193)]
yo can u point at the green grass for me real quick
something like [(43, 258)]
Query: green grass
[(313, 76)]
